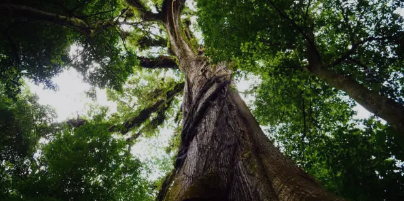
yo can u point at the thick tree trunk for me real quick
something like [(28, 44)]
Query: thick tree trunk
[(382, 106), (224, 155)]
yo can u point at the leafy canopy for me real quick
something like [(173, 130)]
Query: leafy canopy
[(91, 26), (83, 163), (360, 39), (310, 121)]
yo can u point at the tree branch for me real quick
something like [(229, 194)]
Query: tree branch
[(353, 49), (95, 14), (306, 15), (150, 42), (12, 10), (286, 16), (146, 15), (355, 61), (187, 29), (147, 112), (158, 62)]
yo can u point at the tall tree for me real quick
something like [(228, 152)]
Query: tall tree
[(223, 154), (356, 46)]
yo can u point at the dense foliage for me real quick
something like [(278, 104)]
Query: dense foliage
[(84, 163), (359, 42), (314, 127), (362, 39), (311, 121), (23, 122), (37, 47)]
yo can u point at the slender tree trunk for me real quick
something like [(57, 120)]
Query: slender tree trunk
[(224, 155), (382, 106)]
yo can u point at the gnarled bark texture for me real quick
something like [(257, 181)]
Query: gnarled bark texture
[(224, 154)]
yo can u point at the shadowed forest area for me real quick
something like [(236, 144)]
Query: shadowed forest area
[(178, 128)]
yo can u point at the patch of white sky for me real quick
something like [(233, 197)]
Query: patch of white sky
[(151, 151), (70, 99)]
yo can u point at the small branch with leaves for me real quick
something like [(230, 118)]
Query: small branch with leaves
[(146, 113)]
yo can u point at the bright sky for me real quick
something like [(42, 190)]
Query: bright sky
[(70, 99)]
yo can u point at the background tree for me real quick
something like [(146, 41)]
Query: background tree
[(353, 46), (314, 126)]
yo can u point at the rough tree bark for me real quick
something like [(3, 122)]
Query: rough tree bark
[(224, 155)]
